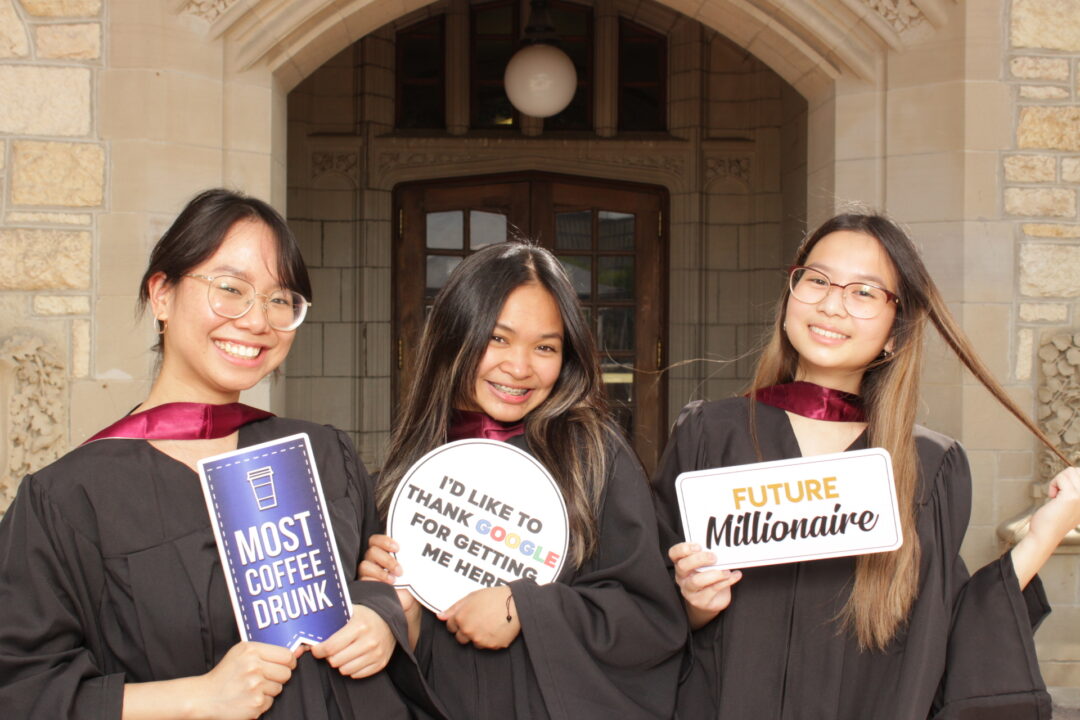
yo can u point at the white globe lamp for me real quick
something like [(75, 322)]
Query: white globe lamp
[(540, 80)]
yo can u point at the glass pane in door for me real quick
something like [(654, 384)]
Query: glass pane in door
[(486, 228), (445, 230)]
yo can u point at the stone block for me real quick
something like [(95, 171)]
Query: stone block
[(44, 259), (13, 41), (1061, 579), (1049, 270), (1015, 465), (80, 348), (988, 326), (1070, 170), (1046, 24), (62, 8), (1052, 202), (123, 339), (52, 100), (57, 173), (1025, 343), (68, 42), (1039, 68), (1057, 635), (305, 357), (1043, 92), (61, 304), (340, 356), (1049, 230), (326, 286), (377, 349), (1044, 312), (122, 251), (1049, 127), (987, 425), (1030, 168), (339, 244), (98, 403), (32, 218)]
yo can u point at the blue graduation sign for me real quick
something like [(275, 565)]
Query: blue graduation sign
[(276, 543)]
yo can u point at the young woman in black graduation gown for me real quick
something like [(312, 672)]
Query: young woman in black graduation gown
[(506, 353), (907, 634), (113, 603)]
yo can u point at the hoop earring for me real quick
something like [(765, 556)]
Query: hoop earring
[(163, 325)]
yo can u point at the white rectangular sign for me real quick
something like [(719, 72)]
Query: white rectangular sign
[(786, 511)]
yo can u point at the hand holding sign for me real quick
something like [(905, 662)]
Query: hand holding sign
[(472, 514), (706, 590)]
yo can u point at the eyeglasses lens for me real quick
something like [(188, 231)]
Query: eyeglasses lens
[(860, 300), (232, 297)]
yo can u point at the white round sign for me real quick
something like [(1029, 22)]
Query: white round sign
[(473, 514)]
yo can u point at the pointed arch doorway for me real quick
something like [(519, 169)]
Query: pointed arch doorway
[(610, 237)]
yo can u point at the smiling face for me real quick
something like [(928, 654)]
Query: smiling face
[(834, 347), (523, 357), (208, 358)]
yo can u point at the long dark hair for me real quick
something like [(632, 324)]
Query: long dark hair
[(201, 227), (569, 432), (886, 583)]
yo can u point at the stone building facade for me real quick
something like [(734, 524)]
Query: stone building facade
[(960, 118)]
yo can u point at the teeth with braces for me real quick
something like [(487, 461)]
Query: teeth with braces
[(509, 390), (828, 333), (244, 351)]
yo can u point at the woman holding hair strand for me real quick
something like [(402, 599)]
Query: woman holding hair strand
[(506, 354), (113, 603), (899, 635)]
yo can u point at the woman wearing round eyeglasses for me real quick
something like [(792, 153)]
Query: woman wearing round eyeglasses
[(904, 634), (112, 598)]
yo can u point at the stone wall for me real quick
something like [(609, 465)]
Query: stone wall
[(52, 186), (1041, 179)]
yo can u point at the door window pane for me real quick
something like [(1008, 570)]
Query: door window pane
[(486, 228), (445, 230), (615, 328), (616, 231), (579, 269), (573, 230), (615, 277), (439, 268)]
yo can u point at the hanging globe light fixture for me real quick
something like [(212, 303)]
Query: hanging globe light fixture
[(540, 79)]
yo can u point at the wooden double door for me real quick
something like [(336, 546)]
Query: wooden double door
[(610, 238)]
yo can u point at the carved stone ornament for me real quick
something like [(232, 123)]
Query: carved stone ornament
[(1059, 416), (346, 163), (208, 10), (391, 160), (32, 392), (727, 166), (900, 14)]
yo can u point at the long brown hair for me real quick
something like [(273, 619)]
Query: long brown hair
[(570, 432), (886, 583)]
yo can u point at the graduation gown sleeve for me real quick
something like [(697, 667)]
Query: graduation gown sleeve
[(48, 667), (990, 668)]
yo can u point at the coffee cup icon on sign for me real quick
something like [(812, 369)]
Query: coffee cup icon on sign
[(262, 484)]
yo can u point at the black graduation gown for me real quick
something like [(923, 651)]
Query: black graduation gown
[(778, 652), (604, 641), (109, 573)]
